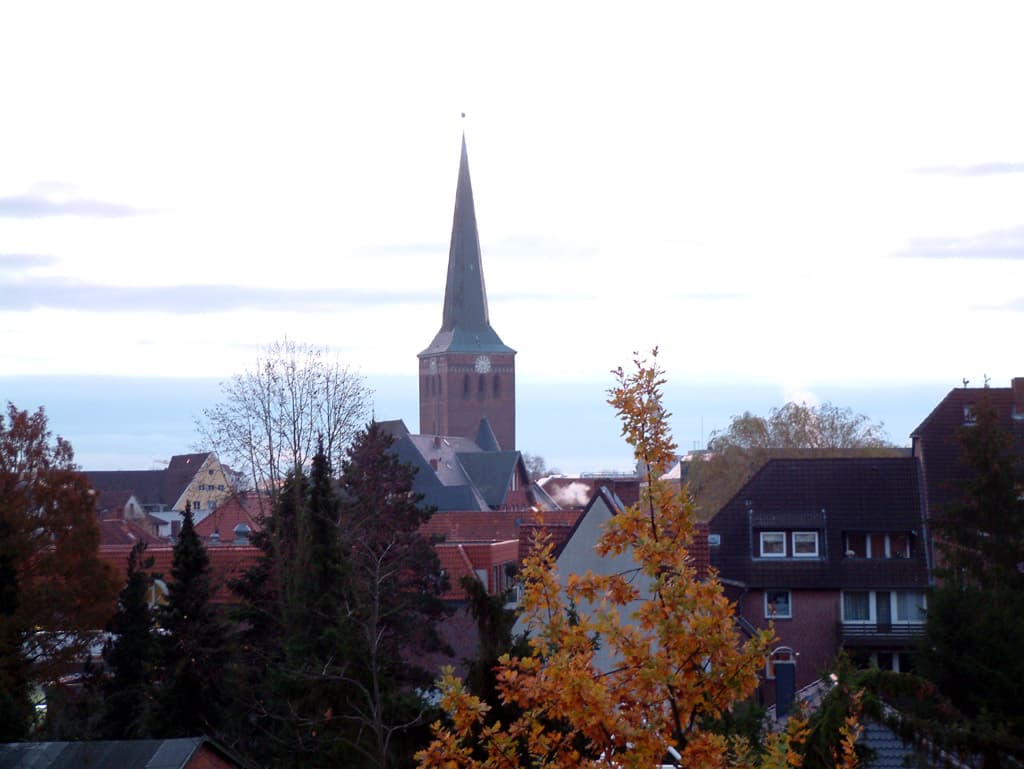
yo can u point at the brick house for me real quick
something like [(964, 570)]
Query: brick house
[(833, 552), (935, 442)]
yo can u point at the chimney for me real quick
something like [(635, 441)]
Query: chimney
[(1017, 386)]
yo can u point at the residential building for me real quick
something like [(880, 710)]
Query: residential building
[(935, 441), (832, 553), (199, 479)]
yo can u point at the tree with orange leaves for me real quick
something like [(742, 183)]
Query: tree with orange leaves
[(54, 589), (678, 662)]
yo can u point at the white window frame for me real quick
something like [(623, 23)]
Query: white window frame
[(782, 540), (871, 607), (805, 555), (768, 614), (894, 608)]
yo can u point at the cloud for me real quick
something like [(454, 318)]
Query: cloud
[(1015, 305), (65, 294), (401, 249), (37, 207), (997, 244), (977, 169), (17, 262)]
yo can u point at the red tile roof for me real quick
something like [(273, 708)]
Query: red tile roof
[(115, 531), (226, 562), (246, 508)]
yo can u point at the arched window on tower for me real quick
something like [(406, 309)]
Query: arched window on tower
[(497, 386), (465, 385), (440, 385), (481, 386)]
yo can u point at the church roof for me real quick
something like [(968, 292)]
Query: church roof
[(465, 325)]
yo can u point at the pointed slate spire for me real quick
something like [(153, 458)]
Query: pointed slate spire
[(465, 325), (485, 437)]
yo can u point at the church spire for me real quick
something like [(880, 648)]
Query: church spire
[(465, 324)]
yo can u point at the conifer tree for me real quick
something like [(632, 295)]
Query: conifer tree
[(392, 598), (130, 656), (193, 657), (973, 650)]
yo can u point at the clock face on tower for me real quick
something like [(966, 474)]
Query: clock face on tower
[(482, 365)]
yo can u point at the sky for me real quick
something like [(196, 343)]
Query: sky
[(793, 201)]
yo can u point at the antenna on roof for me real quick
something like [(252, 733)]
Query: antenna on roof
[(987, 380)]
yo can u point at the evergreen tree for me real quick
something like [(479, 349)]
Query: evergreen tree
[(392, 599), (191, 683), (973, 651), (130, 656)]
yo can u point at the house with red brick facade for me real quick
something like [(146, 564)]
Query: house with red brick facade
[(831, 552)]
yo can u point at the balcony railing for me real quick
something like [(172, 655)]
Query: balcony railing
[(870, 633)]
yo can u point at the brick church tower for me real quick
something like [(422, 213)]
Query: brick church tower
[(467, 374)]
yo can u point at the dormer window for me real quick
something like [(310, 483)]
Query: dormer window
[(773, 544), (805, 544), (970, 417)]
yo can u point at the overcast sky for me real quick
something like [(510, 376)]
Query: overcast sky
[(794, 198)]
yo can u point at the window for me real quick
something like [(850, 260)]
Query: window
[(861, 544), (805, 544), (497, 386), (465, 385), (481, 385), (910, 606), (773, 544), (220, 487), (857, 606), (202, 487), (970, 418), (440, 385), (778, 604)]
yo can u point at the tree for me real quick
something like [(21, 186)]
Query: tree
[(795, 430), (272, 415), (55, 592), (537, 467), (394, 598), (190, 678), (976, 613), (344, 599), (678, 660), (130, 656)]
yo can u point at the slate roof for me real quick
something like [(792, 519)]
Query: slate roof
[(151, 487), (490, 472), (107, 754), (833, 496), (465, 324)]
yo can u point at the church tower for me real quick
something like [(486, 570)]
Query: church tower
[(467, 373)]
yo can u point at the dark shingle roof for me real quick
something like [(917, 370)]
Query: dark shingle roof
[(832, 496)]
